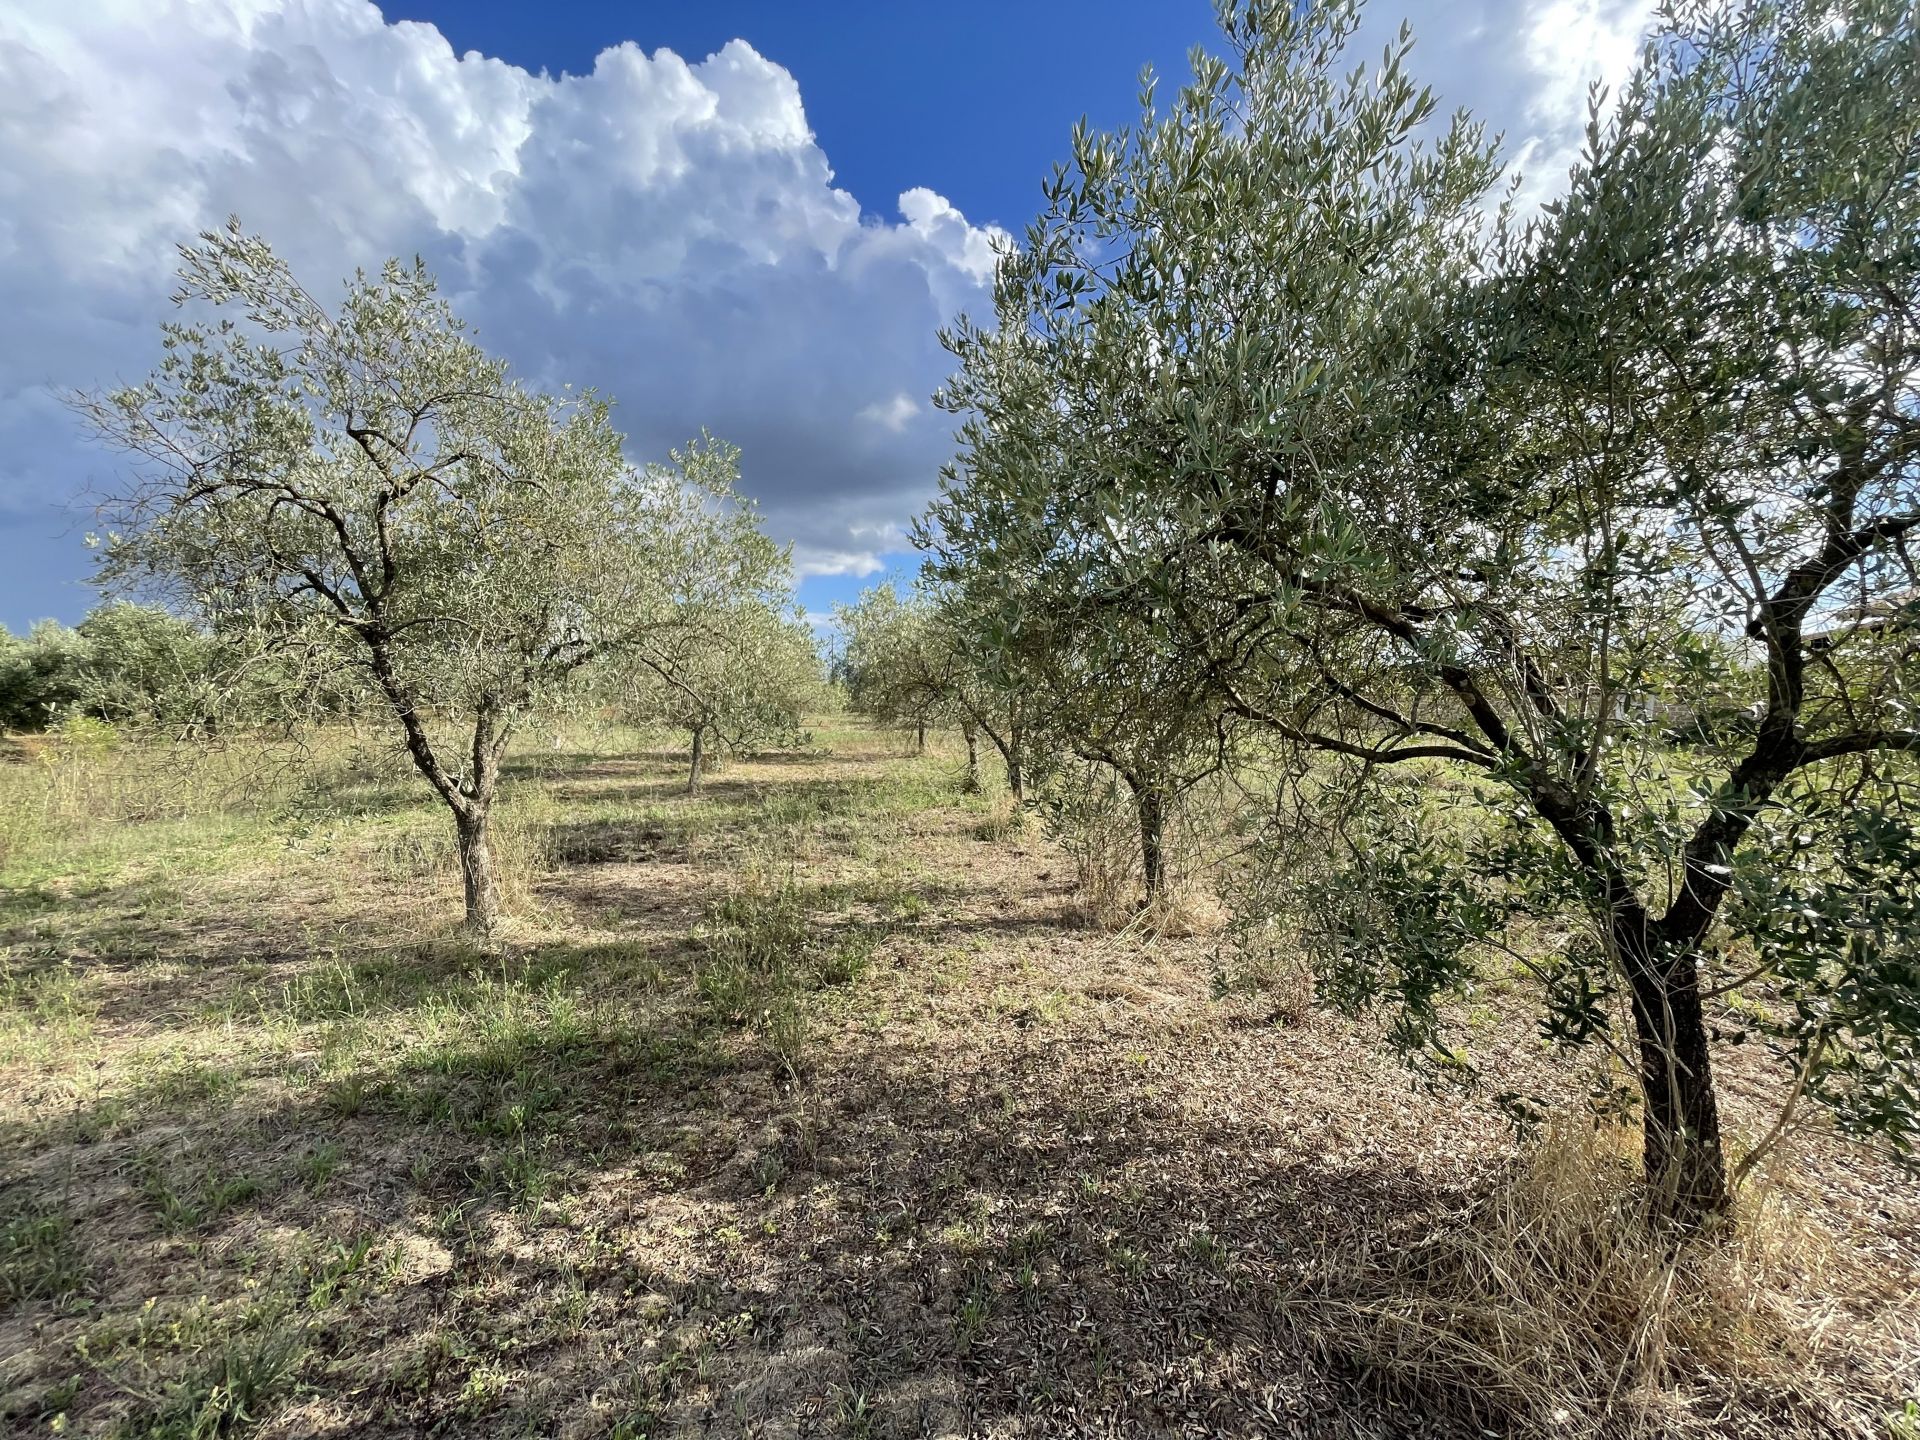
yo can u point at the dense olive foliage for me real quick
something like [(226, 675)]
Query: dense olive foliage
[(1602, 514)]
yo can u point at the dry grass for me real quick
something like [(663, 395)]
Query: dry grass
[(806, 1106), (1091, 819), (66, 791), (1551, 1304), (1001, 820)]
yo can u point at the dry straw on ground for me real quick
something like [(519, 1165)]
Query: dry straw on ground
[(1551, 1303), (799, 1108)]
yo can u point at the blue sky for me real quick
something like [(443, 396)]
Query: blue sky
[(977, 101), (750, 217)]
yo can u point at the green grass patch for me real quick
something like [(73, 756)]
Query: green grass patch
[(40, 1254)]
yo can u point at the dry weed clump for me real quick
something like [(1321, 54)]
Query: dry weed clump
[(1091, 817), (1093, 820), (1002, 819), (760, 956), (1188, 904), (1095, 826), (1262, 962), (1552, 1306), (1185, 907)]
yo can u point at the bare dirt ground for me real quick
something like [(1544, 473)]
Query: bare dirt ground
[(282, 1154)]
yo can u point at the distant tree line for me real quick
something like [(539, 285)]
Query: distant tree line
[(133, 665)]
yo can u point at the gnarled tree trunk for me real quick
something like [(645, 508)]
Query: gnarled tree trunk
[(1685, 1159), (473, 821), (477, 874), (971, 785)]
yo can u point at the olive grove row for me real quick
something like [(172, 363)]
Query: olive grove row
[(1535, 573), (1539, 572)]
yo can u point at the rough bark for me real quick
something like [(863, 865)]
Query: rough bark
[(971, 785), (477, 874), (1012, 752), (1685, 1158), (473, 819), (1150, 806), (699, 758)]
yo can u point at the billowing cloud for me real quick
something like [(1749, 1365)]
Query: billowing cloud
[(894, 414), (666, 231), (1524, 67)]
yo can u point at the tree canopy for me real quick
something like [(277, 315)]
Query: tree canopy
[(1605, 509), (366, 487)]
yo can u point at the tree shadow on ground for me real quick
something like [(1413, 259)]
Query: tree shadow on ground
[(906, 1240)]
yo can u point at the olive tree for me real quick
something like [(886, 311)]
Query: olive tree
[(1087, 678), (987, 694), (1682, 476), (1607, 513), (735, 666), (144, 666), (895, 670), (739, 676), (1115, 696), (919, 660), (366, 486)]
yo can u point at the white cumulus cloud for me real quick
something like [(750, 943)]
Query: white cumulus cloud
[(1524, 67), (894, 414), (666, 230)]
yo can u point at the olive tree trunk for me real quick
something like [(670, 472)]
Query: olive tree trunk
[(1684, 1155), (971, 785), (1013, 754), (699, 758), (474, 831), (472, 803), (1150, 806), (469, 798)]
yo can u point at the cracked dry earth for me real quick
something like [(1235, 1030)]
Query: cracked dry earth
[(1022, 1178)]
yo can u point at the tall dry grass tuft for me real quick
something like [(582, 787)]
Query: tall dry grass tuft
[(1091, 819), (523, 850), (1185, 907), (419, 855), (1552, 1306), (758, 950), (1002, 820), (1188, 903), (82, 782)]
